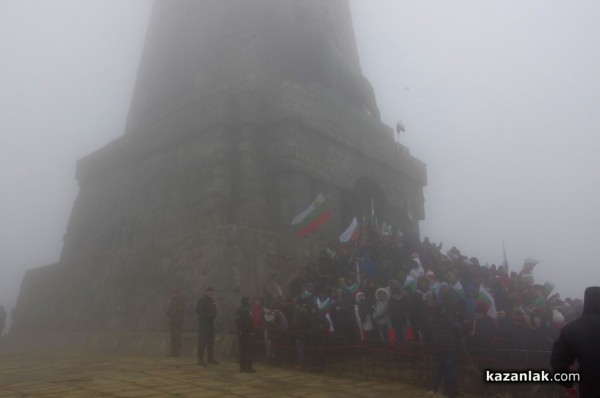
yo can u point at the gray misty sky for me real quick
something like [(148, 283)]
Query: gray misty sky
[(501, 99)]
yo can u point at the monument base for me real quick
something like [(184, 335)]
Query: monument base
[(130, 292)]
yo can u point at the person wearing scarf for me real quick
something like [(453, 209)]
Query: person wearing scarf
[(380, 314), (364, 318)]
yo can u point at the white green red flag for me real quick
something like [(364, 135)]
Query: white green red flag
[(351, 233), (317, 214), (487, 300)]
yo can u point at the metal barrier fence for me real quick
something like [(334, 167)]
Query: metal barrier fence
[(407, 362)]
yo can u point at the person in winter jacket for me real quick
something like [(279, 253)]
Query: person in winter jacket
[(579, 340), (319, 327), (398, 312), (364, 316), (245, 330), (206, 310), (443, 334), (381, 315), (300, 330), (261, 333)]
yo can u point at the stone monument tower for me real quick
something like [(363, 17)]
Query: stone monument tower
[(243, 112)]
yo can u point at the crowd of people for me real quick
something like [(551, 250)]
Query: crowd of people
[(381, 287), (394, 294), (389, 291)]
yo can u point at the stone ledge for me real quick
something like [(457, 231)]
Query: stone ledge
[(313, 107)]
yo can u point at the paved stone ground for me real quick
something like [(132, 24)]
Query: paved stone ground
[(76, 374)]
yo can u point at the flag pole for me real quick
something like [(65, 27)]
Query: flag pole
[(399, 128), (504, 259)]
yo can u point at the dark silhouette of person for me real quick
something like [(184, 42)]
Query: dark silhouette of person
[(206, 310), (580, 340), (245, 329), (443, 335)]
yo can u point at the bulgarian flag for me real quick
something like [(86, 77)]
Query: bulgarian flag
[(488, 302), (351, 233), (317, 214)]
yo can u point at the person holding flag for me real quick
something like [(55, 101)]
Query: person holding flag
[(399, 129), (526, 274)]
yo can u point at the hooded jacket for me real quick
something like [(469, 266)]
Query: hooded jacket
[(380, 314), (362, 312), (580, 340), (398, 310)]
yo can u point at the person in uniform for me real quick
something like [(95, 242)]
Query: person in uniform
[(245, 329), (175, 313), (206, 310)]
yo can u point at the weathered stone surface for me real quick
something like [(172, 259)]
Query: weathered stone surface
[(234, 128)]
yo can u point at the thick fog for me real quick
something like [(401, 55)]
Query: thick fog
[(500, 99)]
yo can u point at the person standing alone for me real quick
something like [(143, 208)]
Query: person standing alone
[(245, 329), (579, 341), (206, 310)]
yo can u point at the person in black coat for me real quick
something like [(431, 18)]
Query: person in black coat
[(481, 334), (579, 340), (206, 310), (416, 310), (245, 329), (398, 307), (443, 334)]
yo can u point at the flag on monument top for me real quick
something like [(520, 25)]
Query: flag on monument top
[(351, 233), (317, 214), (399, 129)]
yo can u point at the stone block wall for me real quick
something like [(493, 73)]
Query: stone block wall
[(127, 290), (234, 129), (209, 201)]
